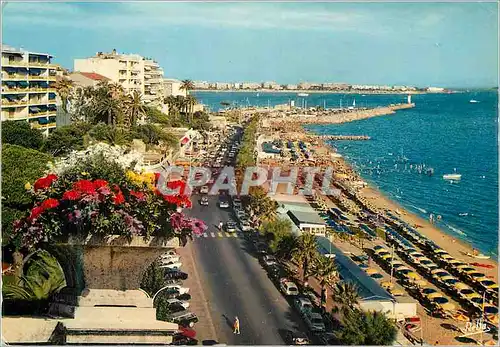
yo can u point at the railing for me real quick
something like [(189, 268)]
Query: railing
[(42, 113), (38, 102), (14, 76), (7, 90), (14, 63), (14, 103), (38, 77), (36, 63)]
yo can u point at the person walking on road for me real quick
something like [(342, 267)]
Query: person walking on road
[(236, 326), (221, 225)]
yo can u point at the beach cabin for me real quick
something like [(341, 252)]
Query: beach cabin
[(372, 296), (309, 222)]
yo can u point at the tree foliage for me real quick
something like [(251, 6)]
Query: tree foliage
[(346, 294), (275, 231), (305, 253), (152, 279), (19, 166), (20, 133), (371, 328), (67, 138)]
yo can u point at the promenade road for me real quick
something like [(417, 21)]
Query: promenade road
[(235, 284)]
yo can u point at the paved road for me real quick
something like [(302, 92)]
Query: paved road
[(236, 285)]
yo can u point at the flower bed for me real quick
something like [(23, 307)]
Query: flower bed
[(97, 197)]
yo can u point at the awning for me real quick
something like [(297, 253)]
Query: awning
[(35, 109), (185, 140), (188, 332), (23, 83), (43, 120)]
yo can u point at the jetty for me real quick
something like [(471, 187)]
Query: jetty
[(345, 137)]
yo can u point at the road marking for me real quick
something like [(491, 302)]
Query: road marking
[(227, 234), (219, 234), (234, 235), (205, 234), (212, 234)]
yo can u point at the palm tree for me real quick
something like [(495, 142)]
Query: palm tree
[(190, 101), (286, 245), (44, 277), (305, 253), (325, 270), (262, 205), (371, 328), (64, 88), (187, 85), (346, 294), (135, 108), (109, 108)]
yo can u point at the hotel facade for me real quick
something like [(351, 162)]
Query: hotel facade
[(132, 71), (28, 92)]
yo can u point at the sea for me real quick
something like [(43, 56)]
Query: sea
[(444, 132)]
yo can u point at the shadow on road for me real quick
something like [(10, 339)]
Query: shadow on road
[(229, 322)]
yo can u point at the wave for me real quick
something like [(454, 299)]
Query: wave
[(420, 209), (458, 231)]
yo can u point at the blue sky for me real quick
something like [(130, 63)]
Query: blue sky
[(440, 44)]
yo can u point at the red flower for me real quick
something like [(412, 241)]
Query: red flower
[(99, 183), (157, 176), (116, 188), (84, 186), (44, 182), (177, 184), (71, 195), (138, 195), (50, 203), (36, 212), (118, 199)]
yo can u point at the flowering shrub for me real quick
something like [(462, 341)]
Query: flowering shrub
[(83, 204)]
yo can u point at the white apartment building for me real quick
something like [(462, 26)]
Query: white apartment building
[(435, 89), (250, 85), (272, 85), (222, 85), (291, 86), (201, 85), (28, 92), (308, 85), (132, 71), (172, 87)]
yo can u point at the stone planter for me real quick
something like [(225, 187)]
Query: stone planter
[(108, 263)]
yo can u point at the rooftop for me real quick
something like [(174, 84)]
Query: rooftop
[(93, 76), (306, 217)]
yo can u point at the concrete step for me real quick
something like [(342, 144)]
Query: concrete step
[(118, 339), (93, 297)]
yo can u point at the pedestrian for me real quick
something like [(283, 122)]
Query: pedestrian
[(236, 326)]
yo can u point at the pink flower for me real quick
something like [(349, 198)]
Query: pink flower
[(198, 226), (177, 220)]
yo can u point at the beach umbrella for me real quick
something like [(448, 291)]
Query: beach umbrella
[(490, 309), (380, 250), (440, 251), (376, 275), (476, 276), (421, 283), (460, 285), (492, 318), (490, 343), (467, 270), (371, 271), (387, 285), (397, 292), (434, 295), (487, 283), (446, 306), (446, 256), (428, 291), (385, 256), (413, 276), (461, 317)]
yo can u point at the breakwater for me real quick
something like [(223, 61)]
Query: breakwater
[(345, 137)]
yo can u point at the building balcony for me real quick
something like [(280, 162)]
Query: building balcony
[(14, 90), (39, 78), (14, 103), (40, 102), (42, 114), (42, 64), (41, 90), (14, 77), (14, 63)]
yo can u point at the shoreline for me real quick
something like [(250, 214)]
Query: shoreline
[(452, 244)]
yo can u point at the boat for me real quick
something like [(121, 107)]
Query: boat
[(453, 177), (478, 256), (303, 94), (472, 101), (463, 214)]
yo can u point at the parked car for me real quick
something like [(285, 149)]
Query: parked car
[(223, 203), (288, 287), (302, 304), (269, 260), (204, 201), (168, 258), (276, 272), (178, 287), (176, 302), (261, 248), (296, 338), (183, 318), (172, 274), (231, 226), (240, 214), (181, 340), (171, 265), (245, 225), (204, 190), (314, 322)]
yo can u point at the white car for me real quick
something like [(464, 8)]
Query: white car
[(177, 302), (178, 288), (169, 259), (204, 190), (288, 287), (237, 205), (171, 265), (223, 204), (240, 214), (245, 226)]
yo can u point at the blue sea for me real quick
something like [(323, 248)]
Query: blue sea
[(445, 132)]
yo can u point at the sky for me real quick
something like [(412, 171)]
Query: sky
[(420, 44)]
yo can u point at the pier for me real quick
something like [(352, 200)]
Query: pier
[(345, 137)]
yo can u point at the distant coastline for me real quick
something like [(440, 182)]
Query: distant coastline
[(314, 91)]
